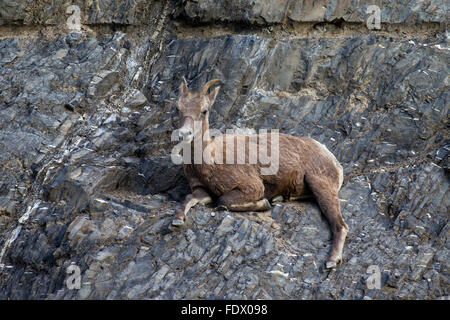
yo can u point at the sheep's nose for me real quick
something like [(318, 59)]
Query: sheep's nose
[(185, 134)]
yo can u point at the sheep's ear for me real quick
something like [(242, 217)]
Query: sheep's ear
[(212, 95), (183, 86)]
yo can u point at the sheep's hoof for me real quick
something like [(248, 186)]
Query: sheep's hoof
[(221, 208), (277, 199), (267, 204), (177, 222), (333, 262)]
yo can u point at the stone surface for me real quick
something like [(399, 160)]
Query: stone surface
[(127, 12), (278, 11), (85, 170)]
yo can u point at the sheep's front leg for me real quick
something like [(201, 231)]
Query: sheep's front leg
[(198, 196)]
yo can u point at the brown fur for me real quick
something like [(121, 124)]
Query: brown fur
[(306, 167)]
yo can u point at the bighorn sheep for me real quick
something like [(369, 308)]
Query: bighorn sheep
[(305, 167)]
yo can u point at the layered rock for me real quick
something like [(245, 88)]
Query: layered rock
[(91, 12), (280, 11)]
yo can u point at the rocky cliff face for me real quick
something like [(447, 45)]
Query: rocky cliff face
[(85, 125)]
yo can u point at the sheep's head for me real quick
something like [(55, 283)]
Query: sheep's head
[(194, 109)]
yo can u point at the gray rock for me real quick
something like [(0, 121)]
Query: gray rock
[(271, 12)]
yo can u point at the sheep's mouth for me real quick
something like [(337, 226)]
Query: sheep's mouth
[(188, 139)]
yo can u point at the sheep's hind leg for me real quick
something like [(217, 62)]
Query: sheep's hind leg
[(236, 200), (198, 196), (327, 197)]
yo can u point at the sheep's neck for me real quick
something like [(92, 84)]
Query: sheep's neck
[(206, 138), (205, 134)]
